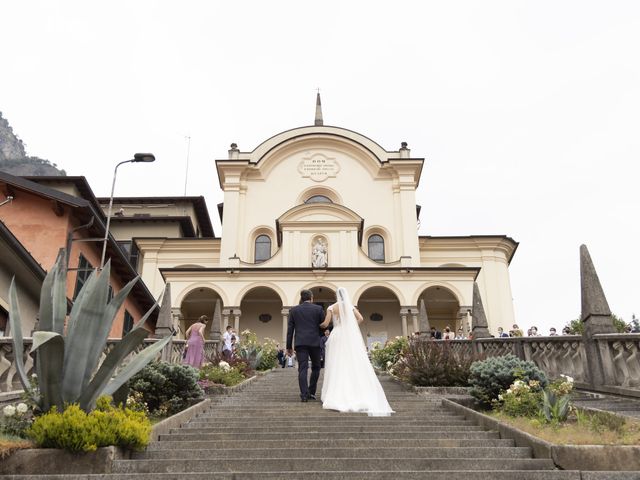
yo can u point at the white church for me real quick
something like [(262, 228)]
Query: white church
[(315, 207)]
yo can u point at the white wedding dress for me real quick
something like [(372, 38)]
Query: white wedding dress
[(350, 384)]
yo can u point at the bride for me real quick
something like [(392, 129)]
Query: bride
[(350, 384)]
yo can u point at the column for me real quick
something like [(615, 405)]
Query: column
[(225, 319), (285, 325), (403, 317), (236, 320), (413, 311)]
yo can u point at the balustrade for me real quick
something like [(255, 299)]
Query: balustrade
[(9, 380)]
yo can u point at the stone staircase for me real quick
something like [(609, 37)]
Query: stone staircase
[(265, 432)]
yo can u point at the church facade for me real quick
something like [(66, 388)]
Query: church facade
[(318, 208)]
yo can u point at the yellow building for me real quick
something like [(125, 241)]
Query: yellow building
[(317, 207)]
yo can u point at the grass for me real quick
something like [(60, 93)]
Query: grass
[(9, 444), (584, 429)]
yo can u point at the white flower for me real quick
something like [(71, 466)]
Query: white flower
[(22, 408), (9, 411), (567, 378), (224, 366), (499, 397), (388, 362), (33, 375)]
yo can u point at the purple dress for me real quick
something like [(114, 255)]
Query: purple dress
[(195, 350)]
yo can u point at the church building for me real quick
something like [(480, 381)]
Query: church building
[(319, 207)]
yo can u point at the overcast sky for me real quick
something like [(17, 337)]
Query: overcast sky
[(528, 113)]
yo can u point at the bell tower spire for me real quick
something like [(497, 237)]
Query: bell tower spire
[(318, 120)]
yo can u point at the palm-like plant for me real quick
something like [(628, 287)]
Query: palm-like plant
[(66, 363)]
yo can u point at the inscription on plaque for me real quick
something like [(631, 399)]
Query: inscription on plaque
[(318, 167)]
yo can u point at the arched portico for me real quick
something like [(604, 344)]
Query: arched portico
[(261, 309), (197, 302), (443, 307), (380, 308)]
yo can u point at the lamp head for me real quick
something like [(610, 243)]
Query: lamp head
[(144, 157)]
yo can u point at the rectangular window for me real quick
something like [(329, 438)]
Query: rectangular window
[(133, 256), (84, 270), (128, 323)]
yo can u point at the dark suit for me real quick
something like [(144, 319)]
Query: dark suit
[(304, 322)]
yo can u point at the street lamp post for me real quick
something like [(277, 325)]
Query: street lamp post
[(138, 157)]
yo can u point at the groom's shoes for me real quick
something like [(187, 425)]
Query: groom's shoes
[(312, 397), (304, 399)]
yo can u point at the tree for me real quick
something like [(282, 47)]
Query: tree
[(576, 327)]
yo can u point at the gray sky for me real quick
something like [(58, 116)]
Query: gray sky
[(527, 113)]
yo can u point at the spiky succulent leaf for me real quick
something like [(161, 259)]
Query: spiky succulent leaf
[(45, 315), (83, 335), (136, 364), (59, 295), (15, 326), (115, 357), (104, 327), (49, 350)]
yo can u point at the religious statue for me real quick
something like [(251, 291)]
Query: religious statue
[(319, 254)]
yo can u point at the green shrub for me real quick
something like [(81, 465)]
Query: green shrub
[(489, 378), (221, 374), (429, 364), (386, 357), (76, 431), (167, 388)]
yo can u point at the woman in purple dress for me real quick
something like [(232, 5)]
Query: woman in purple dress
[(195, 343)]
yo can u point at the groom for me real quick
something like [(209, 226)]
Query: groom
[(305, 320)]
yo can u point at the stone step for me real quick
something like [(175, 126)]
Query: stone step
[(453, 443), (331, 436), (296, 465), (311, 411), (324, 422), (302, 429), (356, 475), (321, 453), (330, 418)]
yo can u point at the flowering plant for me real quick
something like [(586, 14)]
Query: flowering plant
[(224, 366), (136, 402), (521, 399), (16, 420)]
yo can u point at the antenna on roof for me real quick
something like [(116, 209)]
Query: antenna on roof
[(186, 173)]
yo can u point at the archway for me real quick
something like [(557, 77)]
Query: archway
[(380, 308), (442, 307), (261, 312), (198, 302), (323, 296)]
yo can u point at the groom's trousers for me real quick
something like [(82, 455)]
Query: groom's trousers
[(303, 353)]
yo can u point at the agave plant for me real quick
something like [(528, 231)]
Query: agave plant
[(554, 406), (66, 363)]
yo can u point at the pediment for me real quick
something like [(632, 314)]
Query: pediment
[(315, 213)]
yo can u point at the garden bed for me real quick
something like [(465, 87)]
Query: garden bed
[(566, 456), (38, 461)]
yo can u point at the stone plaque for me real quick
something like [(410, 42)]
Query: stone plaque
[(318, 167)]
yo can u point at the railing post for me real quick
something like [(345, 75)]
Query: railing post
[(596, 319)]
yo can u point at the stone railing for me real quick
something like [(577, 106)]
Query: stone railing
[(9, 380), (618, 358)]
